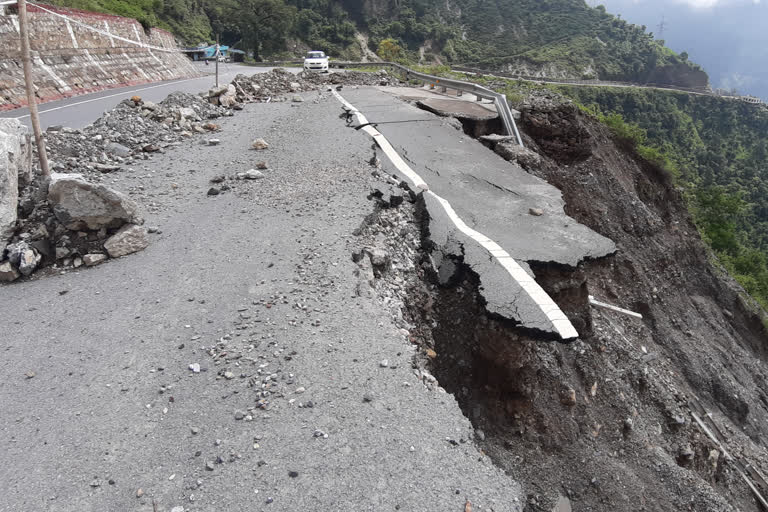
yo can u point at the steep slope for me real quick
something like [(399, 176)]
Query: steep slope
[(719, 147), (607, 422)]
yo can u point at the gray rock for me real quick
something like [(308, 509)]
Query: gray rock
[(252, 174), (187, 113), (24, 257), (536, 212), (514, 153), (92, 260), (8, 273), (239, 415), (113, 148), (297, 99), (217, 91), (379, 258), (81, 205), (15, 166), (226, 100), (127, 240), (259, 144), (29, 261), (295, 86)]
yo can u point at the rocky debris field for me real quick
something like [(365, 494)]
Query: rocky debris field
[(275, 85), (122, 140), (130, 133)]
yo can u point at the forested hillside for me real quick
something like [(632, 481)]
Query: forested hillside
[(559, 38), (717, 150)]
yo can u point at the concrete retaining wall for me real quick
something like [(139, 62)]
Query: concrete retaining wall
[(70, 59)]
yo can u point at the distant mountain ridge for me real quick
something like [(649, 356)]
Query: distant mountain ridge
[(555, 38), (730, 39)]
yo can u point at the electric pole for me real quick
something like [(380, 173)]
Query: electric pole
[(662, 27), (216, 55), (31, 100)]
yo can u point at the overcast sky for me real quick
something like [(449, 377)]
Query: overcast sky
[(729, 38)]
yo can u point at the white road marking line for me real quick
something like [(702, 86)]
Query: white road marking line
[(109, 96), (537, 294)]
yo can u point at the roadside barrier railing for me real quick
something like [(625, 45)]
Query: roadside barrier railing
[(480, 92)]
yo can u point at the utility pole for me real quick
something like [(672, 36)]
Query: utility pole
[(216, 55), (662, 27), (31, 100)]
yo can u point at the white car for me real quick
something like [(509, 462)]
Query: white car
[(316, 61)]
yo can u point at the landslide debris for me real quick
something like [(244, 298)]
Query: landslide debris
[(130, 133), (275, 85), (56, 229), (607, 422)]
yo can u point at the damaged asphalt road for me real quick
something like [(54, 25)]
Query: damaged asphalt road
[(522, 213), (230, 366)]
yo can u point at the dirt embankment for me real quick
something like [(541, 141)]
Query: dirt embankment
[(606, 422)]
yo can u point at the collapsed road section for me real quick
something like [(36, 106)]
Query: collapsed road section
[(483, 211)]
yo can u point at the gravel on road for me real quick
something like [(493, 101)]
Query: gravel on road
[(232, 364)]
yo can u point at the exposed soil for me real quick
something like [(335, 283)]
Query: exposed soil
[(607, 420)]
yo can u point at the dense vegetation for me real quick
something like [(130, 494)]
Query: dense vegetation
[(718, 152), (562, 36)]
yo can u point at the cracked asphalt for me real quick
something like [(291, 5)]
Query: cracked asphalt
[(488, 193), (256, 286)]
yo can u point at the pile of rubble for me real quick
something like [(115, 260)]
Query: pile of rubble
[(72, 223), (131, 131), (70, 220), (62, 221), (275, 85)]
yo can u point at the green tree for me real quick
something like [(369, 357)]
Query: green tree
[(261, 25), (716, 212), (390, 51)]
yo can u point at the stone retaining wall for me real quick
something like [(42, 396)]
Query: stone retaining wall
[(70, 59)]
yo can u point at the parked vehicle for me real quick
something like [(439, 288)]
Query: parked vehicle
[(316, 61)]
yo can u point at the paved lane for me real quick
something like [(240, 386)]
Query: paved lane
[(79, 111), (112, 406), (492, 196)]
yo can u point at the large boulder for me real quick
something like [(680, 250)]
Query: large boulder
[(229, 97), (15, 167), (127, 240), (81, 205)]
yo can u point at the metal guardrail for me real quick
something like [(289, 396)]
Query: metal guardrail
[(499, 100)]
